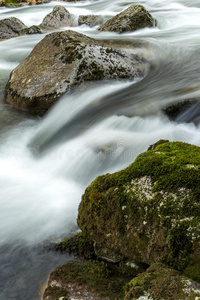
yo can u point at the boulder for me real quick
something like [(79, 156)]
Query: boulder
[(149, 211), (10, 28), (90, 20), (159, 282), (59, 17), (65, 59), (133, 18), (93, 280)]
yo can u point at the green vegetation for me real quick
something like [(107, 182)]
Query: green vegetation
[(149, 211), (78, 244), (159, 283), (94, 276)]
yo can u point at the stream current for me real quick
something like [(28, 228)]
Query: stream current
[(39, 194)]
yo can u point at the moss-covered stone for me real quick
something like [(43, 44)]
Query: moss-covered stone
[(78, 245), (133, 18), (150, 210), (88, 277), (159, 282)]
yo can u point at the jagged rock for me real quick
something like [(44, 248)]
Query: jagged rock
[(149, 212), (59, 17), (159, 282), (10, 28), (90, 20), (64, 59), (133, 18)]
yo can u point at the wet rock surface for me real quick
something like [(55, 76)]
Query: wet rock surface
[(65, 59), (133, 18), (59, 17), (90, 20), (10, 28)]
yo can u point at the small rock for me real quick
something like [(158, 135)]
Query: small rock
[(31, 30), (59, 17), (90, 20)]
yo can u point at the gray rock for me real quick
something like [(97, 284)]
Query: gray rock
[(59, 17), (31, 30), (10, 28), (133, 18), (65, 59), (90, 20)]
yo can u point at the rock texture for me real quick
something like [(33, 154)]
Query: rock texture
[(91, 280), (31, 30), (149, 211), (90, 20), (64, 59), (159, 282), (59, 17), (131, 19), (10, 28)]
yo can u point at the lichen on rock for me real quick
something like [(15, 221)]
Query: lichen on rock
[(150, 210), (10, 27), (65, 59), (159, 282), (59, 17), (90, 20), (133, 18)]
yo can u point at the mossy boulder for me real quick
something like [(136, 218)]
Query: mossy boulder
[(59, 17), (90, 20), (86, 280), (133, 18), (65, 59), (149, 211), (10, 27), (159, 282)]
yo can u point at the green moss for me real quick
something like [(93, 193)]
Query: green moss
[(11, 2), (94, 276), (159, 283), (149, 211), (55, 293), (79, 245)]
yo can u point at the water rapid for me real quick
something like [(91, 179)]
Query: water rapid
[(45, 164)]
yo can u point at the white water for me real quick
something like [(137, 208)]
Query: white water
[(39, 195)]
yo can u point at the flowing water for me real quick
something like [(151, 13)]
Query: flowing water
[(77, 140)]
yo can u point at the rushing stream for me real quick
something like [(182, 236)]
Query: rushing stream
[(39, 194)]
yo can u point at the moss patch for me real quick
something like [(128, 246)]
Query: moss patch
[(79, 245), (94, 276), (159, 282), (149, 211)]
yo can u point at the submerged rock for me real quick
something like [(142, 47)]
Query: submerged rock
[(90, 20), (133, 18), (65, 59), (59, 17), (149, 211), (159, 282), (10, 28)]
